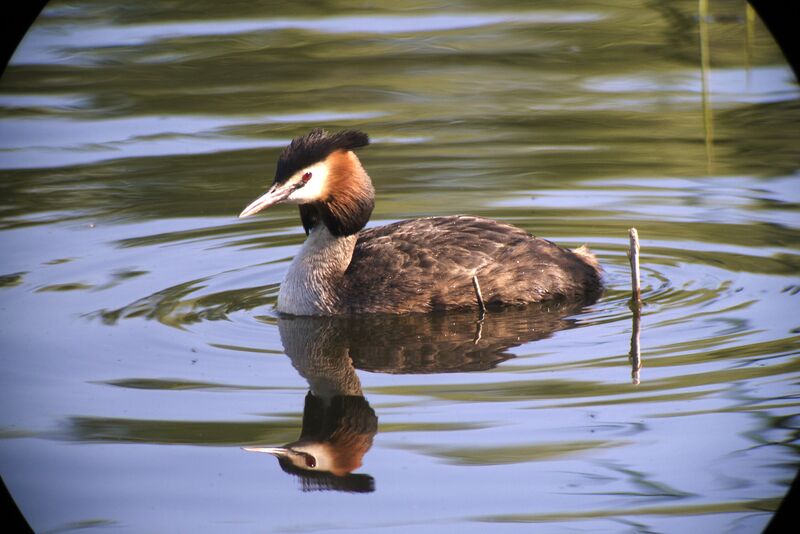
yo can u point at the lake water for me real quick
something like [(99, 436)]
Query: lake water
[(141, 351)]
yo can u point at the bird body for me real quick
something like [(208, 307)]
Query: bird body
[(418, 265)]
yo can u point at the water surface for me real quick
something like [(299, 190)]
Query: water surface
[(140, 345)]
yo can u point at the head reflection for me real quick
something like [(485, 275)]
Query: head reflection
[(335, 436), (338, 423)]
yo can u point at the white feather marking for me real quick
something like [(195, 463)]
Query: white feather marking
[(316, 187), (321, 453)]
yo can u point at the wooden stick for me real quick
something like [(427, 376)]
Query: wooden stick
[(477, 287), (633, 254), (635, 355)]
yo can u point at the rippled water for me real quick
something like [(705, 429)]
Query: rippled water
[(140, 346)]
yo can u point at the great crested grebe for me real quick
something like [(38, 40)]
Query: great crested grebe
[(419, 265)]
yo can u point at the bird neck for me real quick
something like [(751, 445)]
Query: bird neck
[(315, 275), (347, 200)]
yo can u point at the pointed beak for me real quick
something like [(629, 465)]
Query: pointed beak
[(279, 452), (276, 194)]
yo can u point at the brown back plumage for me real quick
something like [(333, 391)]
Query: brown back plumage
[(427, 264)]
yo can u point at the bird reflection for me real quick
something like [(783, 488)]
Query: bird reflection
[(338, 423)]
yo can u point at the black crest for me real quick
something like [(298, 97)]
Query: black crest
[(314, 147)]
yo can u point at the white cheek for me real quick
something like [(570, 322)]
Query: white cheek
[(321, 454), (315, 188)]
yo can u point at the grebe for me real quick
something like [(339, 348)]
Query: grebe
[(418, 265)]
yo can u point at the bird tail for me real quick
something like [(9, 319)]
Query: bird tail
[(587, 256)]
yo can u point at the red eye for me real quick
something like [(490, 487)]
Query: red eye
[(310, 460), (306, 177)]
